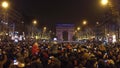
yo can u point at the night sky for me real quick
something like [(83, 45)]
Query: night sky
[(50, 12)]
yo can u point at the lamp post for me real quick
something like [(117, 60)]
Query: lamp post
[(78, 31), (44, 29), (104, 2), (78, 28), (115, 14), (34, 24), (85, 23), (5, 6), (44, 35)]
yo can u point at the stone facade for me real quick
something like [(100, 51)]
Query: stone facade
[(68, 28)]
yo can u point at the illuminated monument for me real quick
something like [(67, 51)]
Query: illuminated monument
[(64, 32)]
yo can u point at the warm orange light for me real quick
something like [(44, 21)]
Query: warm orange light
[(104, 2), (34, 22), (78, 28), (45, 28), (5, 4), (84, 22)]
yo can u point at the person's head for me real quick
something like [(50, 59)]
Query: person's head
[(38, 59), (101, 63)]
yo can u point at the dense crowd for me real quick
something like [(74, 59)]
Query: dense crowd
[(59, 55)]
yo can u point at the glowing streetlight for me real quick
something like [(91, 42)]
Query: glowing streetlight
[(78, 28), (84, 22), (104, 2), (33, 27), (45, 28), (34, 22), (5, 4)]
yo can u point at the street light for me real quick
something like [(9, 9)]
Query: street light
[(78, 28), (35, 22), (44, 32), (84, 22), (115, 13), (45, 28), (5, 4), (104, 2), (78, 31)]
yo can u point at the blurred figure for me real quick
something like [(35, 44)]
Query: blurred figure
[(35, 49), (36, 63), (53, 63)]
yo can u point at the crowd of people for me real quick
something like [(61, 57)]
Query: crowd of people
[(59, 55)]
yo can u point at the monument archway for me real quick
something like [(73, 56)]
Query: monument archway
[(65, 35), (65, 32)]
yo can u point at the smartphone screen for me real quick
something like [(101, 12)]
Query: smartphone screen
[(105, 61), (75, 49), (15, 62), (16, 41)]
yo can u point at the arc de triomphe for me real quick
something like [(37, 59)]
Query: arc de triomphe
[(64, 32)]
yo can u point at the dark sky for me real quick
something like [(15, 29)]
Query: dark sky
[(58, 11)]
